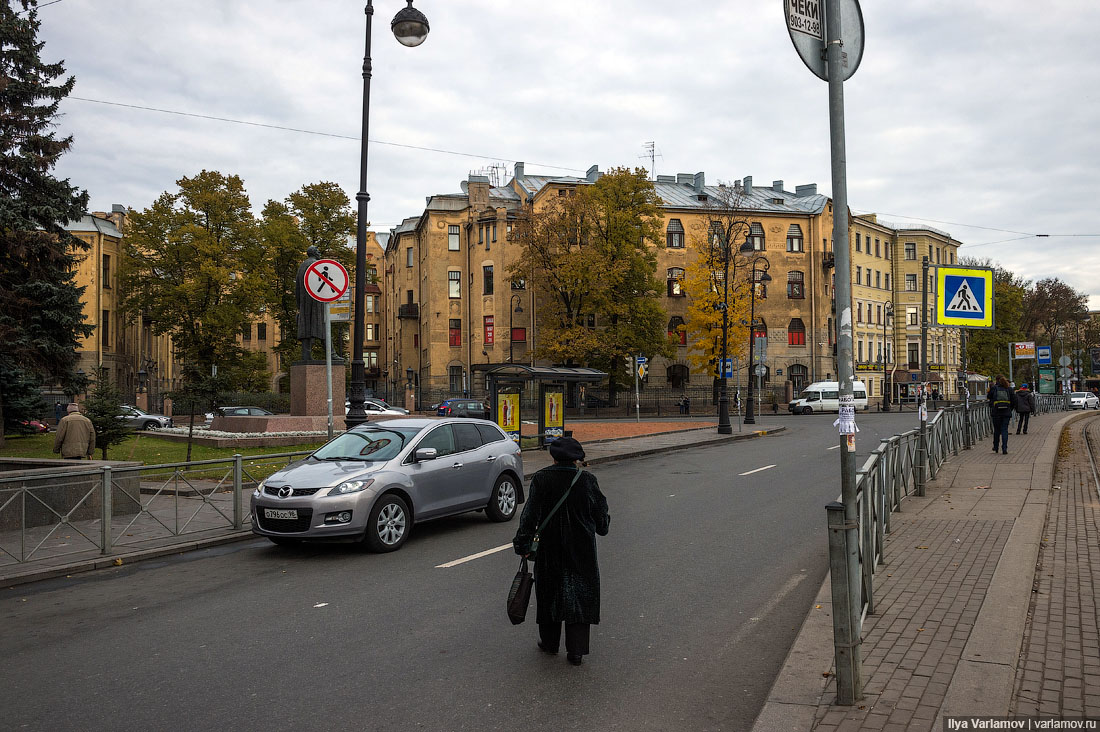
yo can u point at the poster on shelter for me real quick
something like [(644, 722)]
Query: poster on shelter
[(1046, 381), (553, 419), (508, 414)]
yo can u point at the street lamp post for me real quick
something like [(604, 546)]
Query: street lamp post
[(517, 308), (746, 248), (410, 27), (887, 313)]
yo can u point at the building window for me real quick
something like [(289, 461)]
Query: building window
[(454, 284), (878, 314), (677, 333), (674, 234), (370, 359), (761, 286), (859, 312), (372, 273), (795, 289), (454, 376), (796, 333), (261, 331), (494, 231), (911, 316), (911, 250), (859, 350), (878, 279), (106, 272), (859, 242), (675, 282), (756, 237), (910, 283), (416, 340), (489, 330), (799, 376), (105, 328), (519, 284), (519, 335), (877, 250), (246, 332), (408, 256), (452, 238), (794, 238), (371, 331), (886, 281), (487, 279), (886, 249), (859, 275), (454, 332)]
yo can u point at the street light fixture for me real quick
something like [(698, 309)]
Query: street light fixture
[(518, 308), (410, 27), (747, 248)]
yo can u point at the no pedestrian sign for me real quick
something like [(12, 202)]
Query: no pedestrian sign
[(964, 297), (326, 280)]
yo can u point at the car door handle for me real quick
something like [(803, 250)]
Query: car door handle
[(491, 458), (456, 466)]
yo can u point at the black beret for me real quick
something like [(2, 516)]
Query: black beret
[(566, 449)]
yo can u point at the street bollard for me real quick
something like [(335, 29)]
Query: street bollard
[(238, 508), (105, 510), (846, 609)]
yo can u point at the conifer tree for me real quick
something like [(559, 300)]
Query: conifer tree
[(103, 408), (41, 318)]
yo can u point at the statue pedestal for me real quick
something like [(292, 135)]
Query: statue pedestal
[(309, 392)]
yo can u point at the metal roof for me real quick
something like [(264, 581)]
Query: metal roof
[(88, 222), (541, 373)]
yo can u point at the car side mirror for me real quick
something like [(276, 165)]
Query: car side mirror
[(426, 453)]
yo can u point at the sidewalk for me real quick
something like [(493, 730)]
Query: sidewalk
[(61, 555), (952, 603)]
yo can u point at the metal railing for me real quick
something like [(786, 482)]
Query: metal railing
[(48, 515), (890, 474)]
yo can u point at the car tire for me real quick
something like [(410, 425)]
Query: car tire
[(150, 425), (503, 501), (807, 410), (284, 541), (388, 524)]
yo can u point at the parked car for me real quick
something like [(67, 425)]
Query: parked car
[(824, 396), (244, 412), (1083, 400), (142, 420), (374, 482), (31, 427), (463, 408), (378, 408)]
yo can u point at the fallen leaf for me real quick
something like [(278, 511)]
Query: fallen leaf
[(817, 607), (118, 562), (826, 674)]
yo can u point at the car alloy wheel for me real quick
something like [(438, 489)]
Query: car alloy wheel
[(149, 426), (388, 525), (502, 502), (807, 410)]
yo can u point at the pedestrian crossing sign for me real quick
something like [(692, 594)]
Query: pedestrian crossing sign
[(964, 297)]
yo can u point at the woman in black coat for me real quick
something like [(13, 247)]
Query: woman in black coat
[(567, 575)]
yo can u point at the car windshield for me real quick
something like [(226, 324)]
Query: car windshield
[(810, 396), (369, 445), (1079, 394)]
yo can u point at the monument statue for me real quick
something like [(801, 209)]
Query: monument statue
[(311, 314)]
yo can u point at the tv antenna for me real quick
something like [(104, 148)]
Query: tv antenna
[(651, 154)]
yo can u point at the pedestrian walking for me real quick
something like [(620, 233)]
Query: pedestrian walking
[(1025, 407), (58, 412), (1000, 408), (567, 574), (682, 404), (75, 438)]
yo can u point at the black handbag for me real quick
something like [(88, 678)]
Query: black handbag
[(519, 596)]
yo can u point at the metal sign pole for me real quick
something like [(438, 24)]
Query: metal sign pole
[(328, 364), (922, 399), (637, 399)]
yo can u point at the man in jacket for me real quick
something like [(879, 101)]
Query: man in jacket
[(1025, 406), (75, 438), (1000, 409)]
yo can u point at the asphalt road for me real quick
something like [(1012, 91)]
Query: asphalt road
[(707, 575)]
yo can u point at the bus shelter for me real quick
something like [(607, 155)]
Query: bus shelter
[(506, 384)]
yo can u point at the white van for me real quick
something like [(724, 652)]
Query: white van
[(824, 396)]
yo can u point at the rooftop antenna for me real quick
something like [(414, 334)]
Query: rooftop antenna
[(651, 154)]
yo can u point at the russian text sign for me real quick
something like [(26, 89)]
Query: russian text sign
[(964, 297)]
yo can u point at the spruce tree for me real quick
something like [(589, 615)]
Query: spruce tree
[(41, 318), (103, 408)]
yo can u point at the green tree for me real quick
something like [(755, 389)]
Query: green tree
[(22, 402), (41, 319), (193, 263), (104, 407), (987, 350)]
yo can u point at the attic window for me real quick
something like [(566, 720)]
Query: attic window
[(778, 200), (702, 196)]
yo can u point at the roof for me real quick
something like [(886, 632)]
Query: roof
[(88, 222), (541, 373)]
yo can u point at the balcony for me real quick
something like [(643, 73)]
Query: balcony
[(409, 310), (828, 260)]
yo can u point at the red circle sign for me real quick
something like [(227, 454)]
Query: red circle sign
[(326, 280)]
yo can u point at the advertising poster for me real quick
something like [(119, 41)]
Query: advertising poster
[(553, 419), (1023, 350), (508, 414), (1094, 356), (1046, 381)]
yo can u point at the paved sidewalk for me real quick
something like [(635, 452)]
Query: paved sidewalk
[(951, 601), (72, 549)]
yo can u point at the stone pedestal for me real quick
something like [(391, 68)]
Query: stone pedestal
[(309, 392), (143, 401), (410, 398)]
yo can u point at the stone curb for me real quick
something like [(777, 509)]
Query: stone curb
[(800, 687), (112, 560)]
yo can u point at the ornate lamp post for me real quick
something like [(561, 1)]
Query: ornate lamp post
[(746, 248), (887, 312), (518, 308), (410, 27)]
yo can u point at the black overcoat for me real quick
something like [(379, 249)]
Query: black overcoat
[(567, 575)]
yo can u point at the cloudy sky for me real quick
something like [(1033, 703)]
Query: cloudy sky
[(980, 118)]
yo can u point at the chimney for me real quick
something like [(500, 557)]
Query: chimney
[(777, 186), (666, 179), (593, 174), (685, 179), (810, 189), (477, 188), (748, 184), (519, 170), (698, 182)]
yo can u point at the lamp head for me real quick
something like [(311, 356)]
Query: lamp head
[(745, 248), (765, 277), (409, 374), (409, 26)]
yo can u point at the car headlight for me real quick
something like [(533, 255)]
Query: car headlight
[(260, 488), (351, 486)]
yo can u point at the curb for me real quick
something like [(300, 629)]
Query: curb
[(113, 560)]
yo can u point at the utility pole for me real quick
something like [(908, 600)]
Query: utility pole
[(922, 400)]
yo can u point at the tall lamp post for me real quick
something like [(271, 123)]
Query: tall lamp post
[(887, 313), (746, 248), (410, 27), (517, 308)]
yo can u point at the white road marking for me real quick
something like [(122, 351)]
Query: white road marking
[(472, 557), (834, 447), (766, 467), (769, 607), (321, 604)]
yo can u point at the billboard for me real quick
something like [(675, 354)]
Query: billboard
[(1046, 381), (508, 414), (1023, 350)]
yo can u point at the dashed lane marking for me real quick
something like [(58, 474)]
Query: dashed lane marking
[(472, 557), (750, 472)]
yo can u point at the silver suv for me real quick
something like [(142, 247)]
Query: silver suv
[(372, 483)]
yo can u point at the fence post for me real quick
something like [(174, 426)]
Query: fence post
[(845, 592), (238, 509), (105, 511)]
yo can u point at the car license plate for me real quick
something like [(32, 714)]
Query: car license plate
[(277, 513)]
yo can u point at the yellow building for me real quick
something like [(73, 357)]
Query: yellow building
[(872, 302)]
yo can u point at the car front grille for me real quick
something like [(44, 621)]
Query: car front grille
[(285, 526), (273, 490)]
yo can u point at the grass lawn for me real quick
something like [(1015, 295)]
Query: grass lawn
[(145, 449)]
